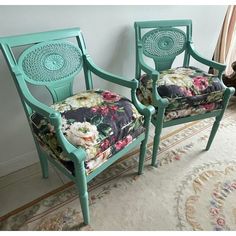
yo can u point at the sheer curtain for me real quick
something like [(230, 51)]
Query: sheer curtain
[(225, 51)]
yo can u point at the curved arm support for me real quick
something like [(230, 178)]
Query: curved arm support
[(78, 155), (230, 90), (109, 76), (154, 75), (157, 99), (54, 118), (144, 110), (132, 84), (218, 66)]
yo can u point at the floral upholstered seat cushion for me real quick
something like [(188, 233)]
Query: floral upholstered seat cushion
[(189, 90), (101, 122)]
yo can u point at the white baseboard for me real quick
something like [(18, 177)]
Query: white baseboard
[(18, 162)]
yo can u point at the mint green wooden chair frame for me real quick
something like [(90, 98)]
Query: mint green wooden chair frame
[(59, 91), (164, 62)]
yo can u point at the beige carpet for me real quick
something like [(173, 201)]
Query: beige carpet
[(190, 190)]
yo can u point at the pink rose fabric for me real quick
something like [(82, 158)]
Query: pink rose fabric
[(101, 122), (189, 90), (200, 82), (110, 97)]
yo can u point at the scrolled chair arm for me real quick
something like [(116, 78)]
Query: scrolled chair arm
[(158, 100), (132, 84), (144, 110), (230, 80), (218, 66), (109, 76), (154, 75)]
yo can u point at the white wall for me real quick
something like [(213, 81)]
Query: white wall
[(109, 34)]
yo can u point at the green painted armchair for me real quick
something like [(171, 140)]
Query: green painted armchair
[(81, 134), (181, 94)]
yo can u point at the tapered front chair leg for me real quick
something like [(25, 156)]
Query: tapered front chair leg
[(213, 132), (227, 94), (81, 184), (156, 143), (157, 137), (143, 149), (143, 146), (43, 161)]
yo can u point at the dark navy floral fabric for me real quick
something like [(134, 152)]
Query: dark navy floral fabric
[(101, 122), (189, 90)]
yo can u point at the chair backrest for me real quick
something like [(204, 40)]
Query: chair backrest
[(50, 60), (162, 41)]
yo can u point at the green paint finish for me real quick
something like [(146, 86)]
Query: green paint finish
[(54, 62), (163, 41)]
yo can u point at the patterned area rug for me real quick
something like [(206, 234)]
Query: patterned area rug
[(190, 190), (209, 189)]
